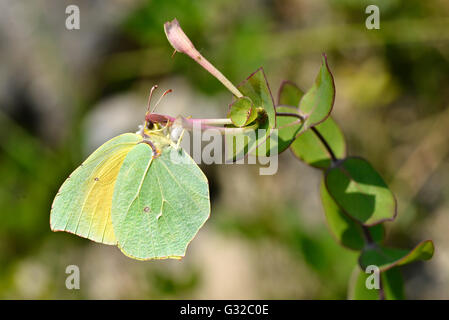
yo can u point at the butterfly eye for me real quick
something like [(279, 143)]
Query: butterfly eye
[(150, 125)]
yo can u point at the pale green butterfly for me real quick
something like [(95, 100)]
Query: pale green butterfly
[(139, 191)]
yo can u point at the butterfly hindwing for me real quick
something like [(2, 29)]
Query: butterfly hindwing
[(83, 203), (158, 204)]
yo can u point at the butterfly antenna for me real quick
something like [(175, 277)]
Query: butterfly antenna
[(163, 95), (151, 94)]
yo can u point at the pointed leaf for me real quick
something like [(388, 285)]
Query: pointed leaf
[(317, 102), (158, 204), (360, 191), (386, 258), (347, 232), (310, 149), (393, 284), (289, 94)]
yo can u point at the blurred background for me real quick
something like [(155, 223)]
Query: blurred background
[(63, 93)]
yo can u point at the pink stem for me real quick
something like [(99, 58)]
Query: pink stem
[(203, 124)]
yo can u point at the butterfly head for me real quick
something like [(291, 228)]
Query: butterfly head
[(155, 122)]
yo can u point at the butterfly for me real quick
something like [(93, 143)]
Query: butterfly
[(140, 191)]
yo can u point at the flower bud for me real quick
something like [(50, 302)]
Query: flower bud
[(178, 39), (181, 43)]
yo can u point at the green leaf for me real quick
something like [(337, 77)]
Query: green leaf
[(83, 203), (158, 204), (242, 112), (360, 191), (286, 130), (289, 94), (387, 258), (347, 232), (257, 89), (392, 285), (310, 149), (317, 102)]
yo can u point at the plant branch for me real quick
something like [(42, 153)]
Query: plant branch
[(367, 235), (290, 114), (190, 124), (370, 242), (202, 124), (214, 121), (326, 145)]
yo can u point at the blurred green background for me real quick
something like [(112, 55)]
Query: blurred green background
[(63, 93)]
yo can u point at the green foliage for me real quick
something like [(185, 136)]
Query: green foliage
[(346, 231), (355, 198), (288, 128), (316, 104), (391, 281), (314, 107), (257, 89), (289, 94), (318, 101), (310, 149), (360, 191)]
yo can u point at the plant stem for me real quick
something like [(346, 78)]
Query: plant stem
[(370, 242), (190, 124), (326, 145), (203, 124), (290, 114), (214, 121), (367, 235), (217, 74)]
